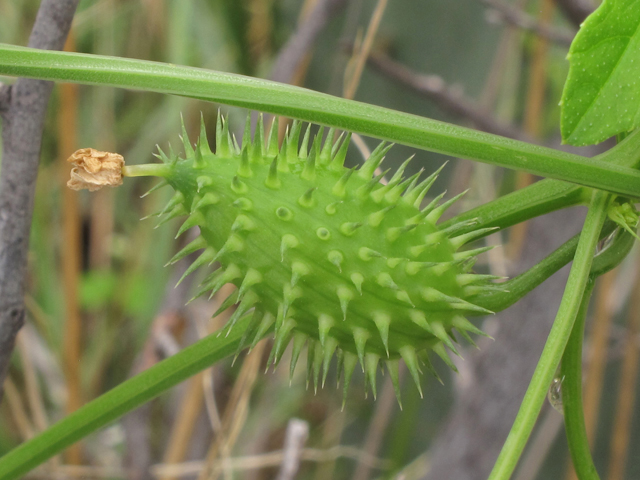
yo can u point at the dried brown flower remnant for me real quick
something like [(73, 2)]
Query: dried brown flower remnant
[(93, 169)]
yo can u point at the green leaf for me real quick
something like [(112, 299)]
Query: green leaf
[(602, 95)]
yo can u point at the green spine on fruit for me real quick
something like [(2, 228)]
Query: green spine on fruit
[(325, 255)]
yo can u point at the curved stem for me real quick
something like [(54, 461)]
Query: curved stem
[(546, 195), (572, 395), (556, 342), (614, 254), (320, 108), (519, 286), (120, 400)]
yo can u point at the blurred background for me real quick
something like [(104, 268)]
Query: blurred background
[(101, 306)]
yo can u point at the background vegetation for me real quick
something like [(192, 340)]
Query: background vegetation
[(102, 307)]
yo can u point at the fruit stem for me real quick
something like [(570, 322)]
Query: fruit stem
[(147, 170)]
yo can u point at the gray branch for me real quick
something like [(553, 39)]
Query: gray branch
[(576, 10), (449, 99), (22, 109), (303, 39), (515, 16)]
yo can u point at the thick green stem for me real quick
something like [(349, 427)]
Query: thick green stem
[(572, 395), (538, 199), (120, 400), (572, 364), (320, 108), (556, 342), (546, 195)]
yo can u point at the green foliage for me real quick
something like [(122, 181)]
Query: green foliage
[(362, 271), (602, 93), (98, 289)]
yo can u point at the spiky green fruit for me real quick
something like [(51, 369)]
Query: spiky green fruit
[(324, 254)]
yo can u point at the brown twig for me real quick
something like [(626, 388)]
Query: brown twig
[(80, 472), (71, 253), (234, 416), (304, 38), (138, 457), (576, 10), (18, 413), (32, 386), (26, 348), (182, 428), (23, 111), (331, 433), (353, 72), (447, 98), (194, 398), (272, 459), (515, 16)]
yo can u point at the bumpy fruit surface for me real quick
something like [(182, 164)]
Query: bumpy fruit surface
[(324, 255)]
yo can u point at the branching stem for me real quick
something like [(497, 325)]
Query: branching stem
[(557, 341)]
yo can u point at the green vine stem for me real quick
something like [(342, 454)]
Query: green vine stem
[(614, 254), (319, 108), (120, 400), (556, 342), (537, 199), (546, 195), (571, 372), (571, 369), (519, 286)]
